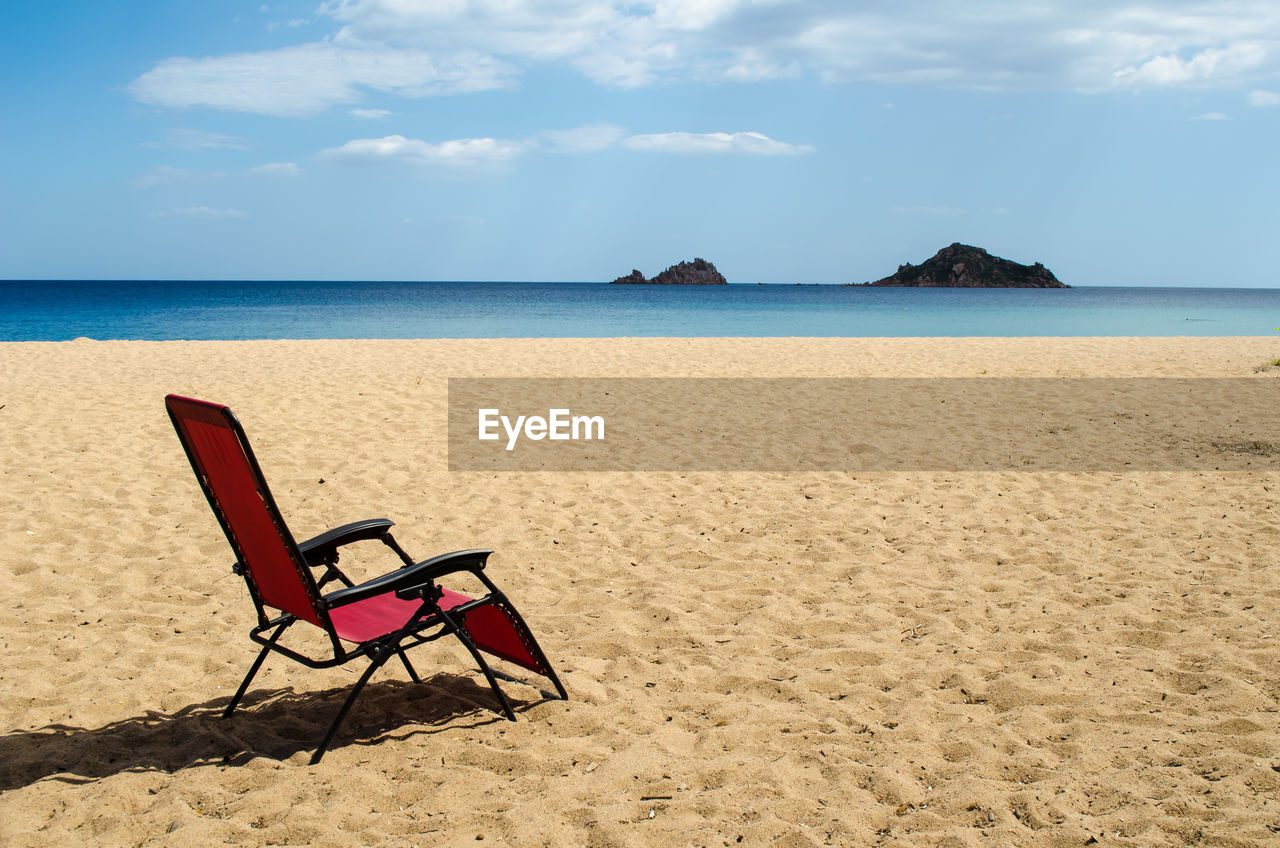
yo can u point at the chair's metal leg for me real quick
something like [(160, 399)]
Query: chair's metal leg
[(465, 638), (404, 658), (517, 621), (374, 664), (555, 680), (550, 672), (253, 670)]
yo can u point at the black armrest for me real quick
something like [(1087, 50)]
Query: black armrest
[(411, 576), (322, 547)]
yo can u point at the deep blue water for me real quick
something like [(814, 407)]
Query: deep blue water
[(55, 310)]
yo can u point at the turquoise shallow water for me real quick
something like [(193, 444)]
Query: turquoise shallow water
[(60, 310)]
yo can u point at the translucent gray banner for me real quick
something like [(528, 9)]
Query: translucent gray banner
[(836, 424)]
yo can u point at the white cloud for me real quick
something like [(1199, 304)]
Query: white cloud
[(1259, 97), (1075, 44), (1208, 65), (310, 78), (716, 142), (370, 114), (541, 29), (463, 152), (417, 48), (165, 175), (585, 139), (1210, 116), (752, 64), (593, 138), (202, 212), (292, 24), (197, 140), (276, 169), (694, 14)]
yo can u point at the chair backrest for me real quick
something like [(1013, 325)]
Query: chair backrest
[(233, 483)]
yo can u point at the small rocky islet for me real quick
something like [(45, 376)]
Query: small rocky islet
[(967, 267), (699, 272)]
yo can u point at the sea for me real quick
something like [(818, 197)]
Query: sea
[(45, 310)]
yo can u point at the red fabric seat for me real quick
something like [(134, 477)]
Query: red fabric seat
[(382, 614)]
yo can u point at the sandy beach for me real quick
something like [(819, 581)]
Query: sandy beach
[(953, 658)]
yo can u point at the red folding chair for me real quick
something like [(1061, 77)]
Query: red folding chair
[(376, 619)]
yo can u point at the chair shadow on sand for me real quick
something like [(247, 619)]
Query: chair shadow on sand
[(275, 723)]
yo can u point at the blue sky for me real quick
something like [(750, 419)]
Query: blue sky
[(786, 140)]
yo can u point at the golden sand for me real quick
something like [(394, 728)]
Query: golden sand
[(899, 658)]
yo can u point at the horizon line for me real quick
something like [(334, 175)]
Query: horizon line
[(863, 285)]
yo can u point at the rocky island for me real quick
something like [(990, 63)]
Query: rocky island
[(965, 266), (699, 272)]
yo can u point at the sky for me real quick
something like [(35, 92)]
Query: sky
[(819, 141)]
